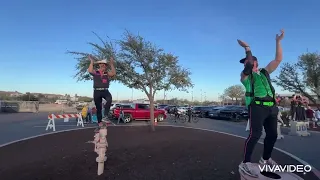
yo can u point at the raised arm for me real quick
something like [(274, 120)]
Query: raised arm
[(90, 69), (275, 63), (112, 71), (249, 65)]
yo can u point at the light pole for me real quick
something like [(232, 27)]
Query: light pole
[(192, 96), (201, 96), (164, 96), (132, 95), (117, 96)]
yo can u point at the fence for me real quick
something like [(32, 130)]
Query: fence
[(18, 106), (34, 106)]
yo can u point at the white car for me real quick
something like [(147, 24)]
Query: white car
[(113, 106), (182, 110), (281, 109)]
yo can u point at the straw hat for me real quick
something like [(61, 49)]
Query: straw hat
[(103, 61)]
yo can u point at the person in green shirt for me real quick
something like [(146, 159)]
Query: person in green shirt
[(260, 100)]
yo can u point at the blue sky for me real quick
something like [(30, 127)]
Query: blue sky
[(36, 34)]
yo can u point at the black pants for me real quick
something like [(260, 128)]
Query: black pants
[(261, 116), (97, 97), (176, 115), (88, 118)]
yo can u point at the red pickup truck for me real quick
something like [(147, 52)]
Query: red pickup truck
[(138, 112)]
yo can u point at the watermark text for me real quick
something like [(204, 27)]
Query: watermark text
[(285, 168)]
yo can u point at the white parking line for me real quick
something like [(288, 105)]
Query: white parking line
[(49, 133), (57, 126), (314, 170)]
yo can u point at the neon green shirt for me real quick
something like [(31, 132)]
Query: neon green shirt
[(261, 86)]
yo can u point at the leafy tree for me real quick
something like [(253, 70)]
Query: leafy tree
[(103, 51), (302, 77), (234, 92), (41, 96), (285, 102), (6, 97), (140, 64), (85, 99), (28, 97), (206, 103)]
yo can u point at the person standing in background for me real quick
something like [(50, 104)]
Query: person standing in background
[(310, 116), (37, 106), (293, 107), (279, 117), (317, 115)]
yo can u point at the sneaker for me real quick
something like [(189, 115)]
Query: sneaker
[(270, 162), (99, 126), (248, 168), (105, 119), (96, 130)]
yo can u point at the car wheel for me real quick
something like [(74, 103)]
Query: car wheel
[(160, 117), (127, 118)]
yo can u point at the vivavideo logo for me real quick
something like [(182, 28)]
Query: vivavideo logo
[(285, 168)]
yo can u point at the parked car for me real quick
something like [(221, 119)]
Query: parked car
[(79, 107), (113, 106), (162, 106), (182, 110), (139, 112), (214, 113), (169, 109), (282, 109), (234, 113), (202, 111)]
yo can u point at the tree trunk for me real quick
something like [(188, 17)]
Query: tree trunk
[(151, 112)]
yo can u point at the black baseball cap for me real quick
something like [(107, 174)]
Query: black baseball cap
[(244, 59)]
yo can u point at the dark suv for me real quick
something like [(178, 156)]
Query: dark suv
[(202, 111), (234, 113)]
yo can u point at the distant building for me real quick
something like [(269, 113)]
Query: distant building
[(15, 94), (11, 93), (53, 96)]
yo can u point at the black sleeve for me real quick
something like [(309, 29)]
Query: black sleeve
[(247, 68), (249, 55), (249, 65), (92, 74)]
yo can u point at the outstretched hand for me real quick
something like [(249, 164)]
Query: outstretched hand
[(242, 43), (111, 60), (90, 57), (280, 37)]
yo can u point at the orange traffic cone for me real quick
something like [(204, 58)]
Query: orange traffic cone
[(155, 122)]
